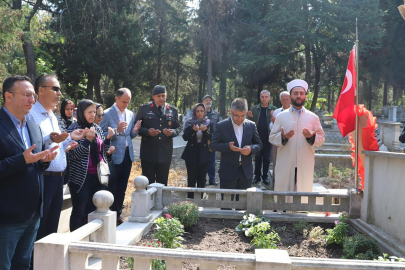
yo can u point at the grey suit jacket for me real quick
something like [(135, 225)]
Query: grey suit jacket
[(111, 119)]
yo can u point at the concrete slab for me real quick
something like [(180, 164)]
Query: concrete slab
[(131, 232)]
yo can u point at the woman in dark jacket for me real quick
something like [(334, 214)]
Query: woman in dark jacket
[(83, 161), (197, 153)]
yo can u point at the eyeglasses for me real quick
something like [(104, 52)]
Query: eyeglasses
[(54, 88), (27, 95), (100, 115)]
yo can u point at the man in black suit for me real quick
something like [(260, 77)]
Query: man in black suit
[(237, 139), (22, 161)]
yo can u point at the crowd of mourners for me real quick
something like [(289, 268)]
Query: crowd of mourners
[(47, 142)]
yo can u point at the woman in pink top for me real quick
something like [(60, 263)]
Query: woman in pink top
[(83, 161)]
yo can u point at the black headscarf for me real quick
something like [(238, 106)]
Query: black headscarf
[(68, 121), (81, 120)]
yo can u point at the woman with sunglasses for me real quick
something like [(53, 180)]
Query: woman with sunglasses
[(66, 115), (99, 113), (83, 161)]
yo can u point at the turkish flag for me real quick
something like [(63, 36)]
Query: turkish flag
[(344, 111)]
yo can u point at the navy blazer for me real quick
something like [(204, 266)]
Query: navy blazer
[(189, 153), (223, 135), (21, 184)]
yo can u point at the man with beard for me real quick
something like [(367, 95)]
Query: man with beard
[(296, 132)]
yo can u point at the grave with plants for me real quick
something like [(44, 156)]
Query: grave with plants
[(181, 228)]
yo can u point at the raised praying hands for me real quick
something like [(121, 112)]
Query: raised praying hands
[(308, 134), (288, 134)]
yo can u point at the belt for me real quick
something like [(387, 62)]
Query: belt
[(60, 174), (240, 163)]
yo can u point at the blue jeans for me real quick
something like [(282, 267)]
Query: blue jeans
[(17, 243)]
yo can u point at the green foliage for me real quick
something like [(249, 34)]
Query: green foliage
[(186, 212), (262, 238), (249, 221), (338, 234), (360, 247), (301, 226), (169, 231), (386, 258), (315, 234)]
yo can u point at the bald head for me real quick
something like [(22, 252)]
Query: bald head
[(122, 98)]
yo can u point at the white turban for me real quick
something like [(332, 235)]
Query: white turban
[(297, 83)]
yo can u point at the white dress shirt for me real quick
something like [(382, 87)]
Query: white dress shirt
[(122, 118), (48, 124), (239, 134)]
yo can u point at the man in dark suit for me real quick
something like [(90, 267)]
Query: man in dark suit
[(159, 125), (22, 161), (237, 139)]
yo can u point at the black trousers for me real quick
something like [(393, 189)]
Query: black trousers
[(53, 200), (82, 202), (241, 182), (154, 171), (118, 182), (196, 175), (263, 156)]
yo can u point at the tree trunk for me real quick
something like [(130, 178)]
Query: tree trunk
[(333, 100), (370, 96), (17, 4), (176, 95), (117, 84), (202, 77), (160, 14), (29, 57), (159, 56), (209, 52), (90, 85), (28, 47), (259, 89), (316, 86), (209, 71), (222, 92), (329, 99), (97, 88), (307, 50), (385, 94)]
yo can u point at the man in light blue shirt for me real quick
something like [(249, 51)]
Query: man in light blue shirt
[(47, 88)]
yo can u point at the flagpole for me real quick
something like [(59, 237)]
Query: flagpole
[(356, 102)]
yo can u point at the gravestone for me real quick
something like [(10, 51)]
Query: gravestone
[(392, 114)]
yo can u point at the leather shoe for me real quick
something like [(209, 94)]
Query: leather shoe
[(213, 183), (119, 221), (256, 180), (266, 181)]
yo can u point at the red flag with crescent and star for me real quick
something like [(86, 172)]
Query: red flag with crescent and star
[(344, 111)]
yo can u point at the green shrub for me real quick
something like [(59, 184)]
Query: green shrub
[(169, 231), (338, 234), (301, 226), (262, 239), (360, 247), (315, 234), (186, 212), (249, 221)]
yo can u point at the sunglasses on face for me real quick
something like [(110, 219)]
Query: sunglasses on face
[(100, 115), (54, 88)]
